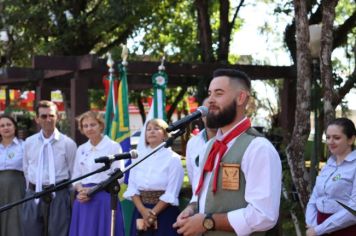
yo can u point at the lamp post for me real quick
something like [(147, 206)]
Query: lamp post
[(314, 46), (4, 38)]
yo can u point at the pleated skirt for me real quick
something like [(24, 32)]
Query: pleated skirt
[(12, 188)]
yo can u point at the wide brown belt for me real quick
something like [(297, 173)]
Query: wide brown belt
[(150, 197)]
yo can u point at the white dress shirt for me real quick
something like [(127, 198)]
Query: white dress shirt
[(262, 169), (195, 146), (162, 171), (11, 155), (334, 183), (64, 149), (86, 155)]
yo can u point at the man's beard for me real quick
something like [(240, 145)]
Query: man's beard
[(222, 118)]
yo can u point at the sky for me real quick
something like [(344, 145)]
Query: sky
[(248, 41)]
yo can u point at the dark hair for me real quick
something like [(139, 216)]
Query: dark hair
[(13, 122), (45, 104), (348, 127), (234, 74)]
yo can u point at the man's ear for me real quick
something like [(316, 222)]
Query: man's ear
[(242, 97), (37, 120)]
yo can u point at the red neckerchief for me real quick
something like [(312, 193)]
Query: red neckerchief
[(220, 147)]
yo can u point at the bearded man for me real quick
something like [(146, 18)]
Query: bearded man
[(241, 176)]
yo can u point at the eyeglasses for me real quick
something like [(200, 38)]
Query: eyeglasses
[(45, 116)]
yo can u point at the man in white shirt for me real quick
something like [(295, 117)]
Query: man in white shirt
[(195, 148), (48, 160), (240, 183)]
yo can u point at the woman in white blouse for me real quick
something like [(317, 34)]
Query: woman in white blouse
[(154, 186), (91, 216), (12, 180), (336, 182)]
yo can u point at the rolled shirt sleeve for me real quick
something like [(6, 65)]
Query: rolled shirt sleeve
[(263, 173), (175, 181)]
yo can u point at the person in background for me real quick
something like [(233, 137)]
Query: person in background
[(336, 182), (240, 184), (91, 216), (195, 151), (154, 185), (12, 180), (48, 160), (195, 130)]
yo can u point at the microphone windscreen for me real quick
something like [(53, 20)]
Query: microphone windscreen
[(134, 154), (203, 110)]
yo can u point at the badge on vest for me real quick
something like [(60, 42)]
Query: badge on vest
[(230, 176)]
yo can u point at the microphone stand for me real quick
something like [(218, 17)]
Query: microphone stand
[(53, 188), (113, 187)]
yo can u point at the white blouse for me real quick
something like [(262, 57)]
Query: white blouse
[(162, 171), (11, 156), (334, 183), (87, 153)]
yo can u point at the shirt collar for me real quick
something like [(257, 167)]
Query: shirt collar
[(99, 146), (15, 141), (220, 136), (349, 158), (56, 135)]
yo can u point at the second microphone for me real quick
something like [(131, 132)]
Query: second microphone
[(115, 157)]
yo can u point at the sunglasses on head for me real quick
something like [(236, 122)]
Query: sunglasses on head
[(45, 116)]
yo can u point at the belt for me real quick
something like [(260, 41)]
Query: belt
[(150, 197), (33, 186)]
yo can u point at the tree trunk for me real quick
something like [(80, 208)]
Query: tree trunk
[(224, 31), (174, 105), (204, 30), (325, 59), (141, 108), (301, 130)]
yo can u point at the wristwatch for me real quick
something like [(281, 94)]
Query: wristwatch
[(208, 222)]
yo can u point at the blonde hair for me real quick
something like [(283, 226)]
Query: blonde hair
[(161, 124), (90, 114)]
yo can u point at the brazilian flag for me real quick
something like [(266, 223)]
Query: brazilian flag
[(117, 127)]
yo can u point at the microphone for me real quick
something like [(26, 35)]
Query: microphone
[(200, 112), (127, 155)]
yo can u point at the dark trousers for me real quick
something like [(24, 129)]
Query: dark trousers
[(34, 219)]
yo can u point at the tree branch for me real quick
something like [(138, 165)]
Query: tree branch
[(340, 34), (176, 101), (236, 13), (123, 36)]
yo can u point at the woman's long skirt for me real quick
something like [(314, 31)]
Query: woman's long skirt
[(12, 189), (165, 221), (93, 218)]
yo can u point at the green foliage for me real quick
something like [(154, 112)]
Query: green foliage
[(63, 27), (170, 30), (96, 98), (344, 9)]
